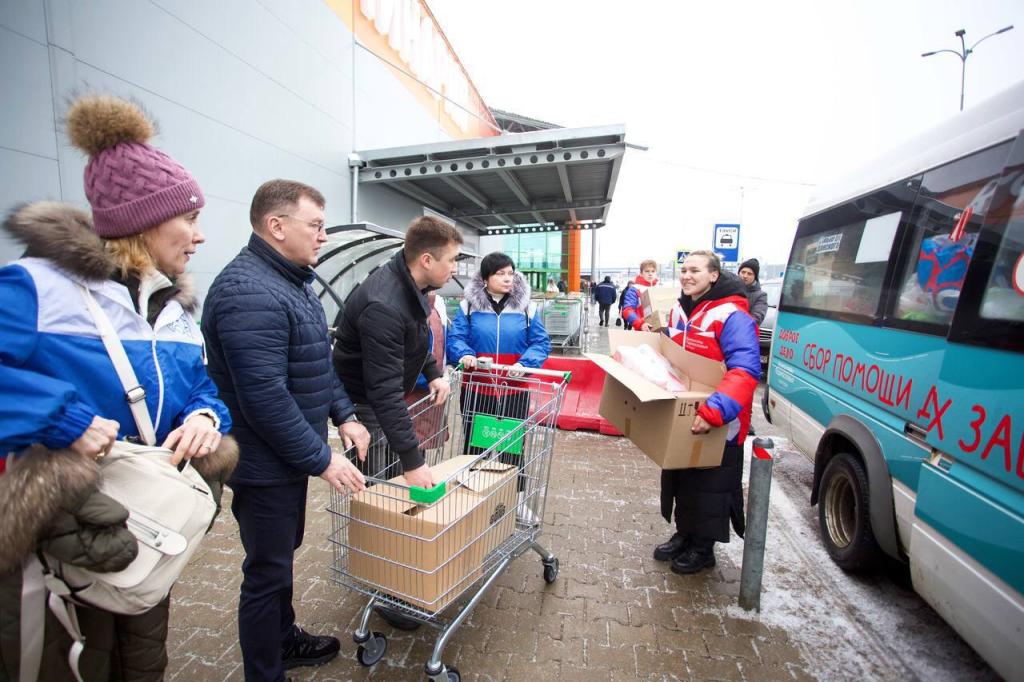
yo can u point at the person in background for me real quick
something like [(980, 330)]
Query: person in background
[(632, 311), (563, 287), (622, 302), (605, 294), (749, 272), (427, 421), (270, 355), (552, 286), (63, 404), (711, 320)]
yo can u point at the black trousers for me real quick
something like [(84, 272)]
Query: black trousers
[(603, 313), (271, 521), (706, 501)]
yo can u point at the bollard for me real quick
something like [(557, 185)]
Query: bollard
[(757, 524)]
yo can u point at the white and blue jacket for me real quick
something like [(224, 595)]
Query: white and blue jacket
[(517, 334), (55, 374)]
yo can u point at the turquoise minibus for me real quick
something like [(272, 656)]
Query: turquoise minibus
[(897, 366)]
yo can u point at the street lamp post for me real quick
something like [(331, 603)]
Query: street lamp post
[(964, 53)]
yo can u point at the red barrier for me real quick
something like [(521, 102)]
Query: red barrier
[(582, 396)]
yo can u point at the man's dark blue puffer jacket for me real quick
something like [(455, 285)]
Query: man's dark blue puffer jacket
[(270, 356)]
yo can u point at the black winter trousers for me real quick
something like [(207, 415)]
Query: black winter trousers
[(705, 501), (271, 521), (603, 313)]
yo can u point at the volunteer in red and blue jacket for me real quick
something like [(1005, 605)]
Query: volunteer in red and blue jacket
[(497, 320), (632, 311), (711, 320)]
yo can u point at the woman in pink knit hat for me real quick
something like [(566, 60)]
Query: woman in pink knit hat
[(64, 404)]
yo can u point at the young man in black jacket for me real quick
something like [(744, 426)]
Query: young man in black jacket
[(382, 344)]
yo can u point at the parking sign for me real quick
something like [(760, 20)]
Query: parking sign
[(726, 241)]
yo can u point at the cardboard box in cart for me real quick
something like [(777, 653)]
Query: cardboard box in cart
[(658, 421), (657, 302), (426, 554)]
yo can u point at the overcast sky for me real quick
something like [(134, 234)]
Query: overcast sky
[(745, 105)]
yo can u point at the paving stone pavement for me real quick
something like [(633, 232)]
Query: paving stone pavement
[(613, 613)]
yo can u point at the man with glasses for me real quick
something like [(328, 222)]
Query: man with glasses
[(270, 356)]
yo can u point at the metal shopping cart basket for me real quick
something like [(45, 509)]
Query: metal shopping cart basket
[(565, 319), (416, 551)]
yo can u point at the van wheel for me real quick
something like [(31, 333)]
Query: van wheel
[(844, 514)]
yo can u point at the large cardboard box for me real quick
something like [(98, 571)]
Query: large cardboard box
[(426, 554), (658, 421), (657, 302)]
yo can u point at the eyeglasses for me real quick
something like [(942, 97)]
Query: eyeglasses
[(316, 225)]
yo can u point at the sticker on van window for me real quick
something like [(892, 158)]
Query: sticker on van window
[(828, 243)]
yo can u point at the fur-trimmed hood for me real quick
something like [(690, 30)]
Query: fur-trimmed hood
[(40, 483), (63, 234), (518, 299)]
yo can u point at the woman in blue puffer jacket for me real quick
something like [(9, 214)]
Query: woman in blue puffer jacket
[(496, 320)]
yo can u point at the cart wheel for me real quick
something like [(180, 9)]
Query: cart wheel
[(445, 673), (551, 571), (372, 650)]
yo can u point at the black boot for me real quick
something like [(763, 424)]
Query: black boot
[(676, 545), (307, 649), (697, 557)]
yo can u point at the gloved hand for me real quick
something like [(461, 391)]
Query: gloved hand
[(92, 534)]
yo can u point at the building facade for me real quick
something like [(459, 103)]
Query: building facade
[(242, 91)]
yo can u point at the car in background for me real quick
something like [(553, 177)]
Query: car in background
[(772, 287)]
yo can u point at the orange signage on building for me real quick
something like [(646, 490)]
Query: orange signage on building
[(405, 35)]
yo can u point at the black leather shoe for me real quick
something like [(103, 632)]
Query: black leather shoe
[(667, 551), (693, 560), (397, 620), (307, 649)]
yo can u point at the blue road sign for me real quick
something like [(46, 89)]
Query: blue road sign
[(726, 241)]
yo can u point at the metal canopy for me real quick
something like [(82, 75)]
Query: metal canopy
[(354, 251), (542, 181)]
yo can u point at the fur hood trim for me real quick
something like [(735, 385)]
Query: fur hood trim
[(518, 299), (219, 464), (63, 234), (35, 487)]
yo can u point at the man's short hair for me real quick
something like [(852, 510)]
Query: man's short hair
[(277, 196), (644, 264), (429, 234)]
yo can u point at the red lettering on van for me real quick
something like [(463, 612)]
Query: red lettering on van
[(936, 419), (1001, 436), (976, 425)]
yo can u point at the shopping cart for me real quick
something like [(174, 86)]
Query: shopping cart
[(416, 551), (565, 319)]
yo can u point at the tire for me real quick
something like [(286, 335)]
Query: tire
[(371, 651), (844, 515), (551, 571)]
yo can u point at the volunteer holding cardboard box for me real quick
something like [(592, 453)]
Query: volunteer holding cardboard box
[(632, 310), (711, 320)]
